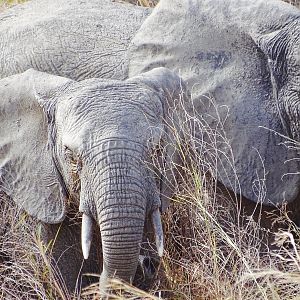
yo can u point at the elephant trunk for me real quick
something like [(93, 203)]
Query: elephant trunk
[(121, 235), (123, 193), (121, 210)]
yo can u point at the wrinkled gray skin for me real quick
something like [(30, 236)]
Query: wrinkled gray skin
[(76, 40), (91, 140), (241, 60)]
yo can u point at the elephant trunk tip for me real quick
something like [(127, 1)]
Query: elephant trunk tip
[(86, 235)]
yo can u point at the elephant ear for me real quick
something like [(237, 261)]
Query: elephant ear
[(274, 46), (175, 97), (28, 173)]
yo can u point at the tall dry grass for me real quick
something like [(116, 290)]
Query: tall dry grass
[(214, 250), (26, 267), (146, 3)]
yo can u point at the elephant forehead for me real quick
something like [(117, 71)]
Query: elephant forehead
[(113, 106), (91, 96), (79, 130)]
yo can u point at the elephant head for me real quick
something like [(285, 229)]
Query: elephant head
[(91, 141)]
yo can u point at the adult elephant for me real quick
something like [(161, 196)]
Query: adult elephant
[(241, 60), (61, 139)]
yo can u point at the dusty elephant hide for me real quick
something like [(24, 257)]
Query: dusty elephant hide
[(77, 40)]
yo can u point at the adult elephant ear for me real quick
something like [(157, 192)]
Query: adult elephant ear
[(274, 46), (281, 48), (28, 173), (174, 97)]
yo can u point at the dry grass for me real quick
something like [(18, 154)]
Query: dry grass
[(146, 3), (294, 2), (4, 4), (26, 269), (212, 250)]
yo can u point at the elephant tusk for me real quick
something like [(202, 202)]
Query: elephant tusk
[(86, 235), (159, 235)]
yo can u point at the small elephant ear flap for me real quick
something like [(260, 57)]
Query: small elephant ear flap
[(28, 173), (175, 98)]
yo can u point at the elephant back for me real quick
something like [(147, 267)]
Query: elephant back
[(73, 39)]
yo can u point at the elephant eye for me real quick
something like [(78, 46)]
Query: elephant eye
[(74, 161), (68, 153), (156, 155), (67, 150)]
